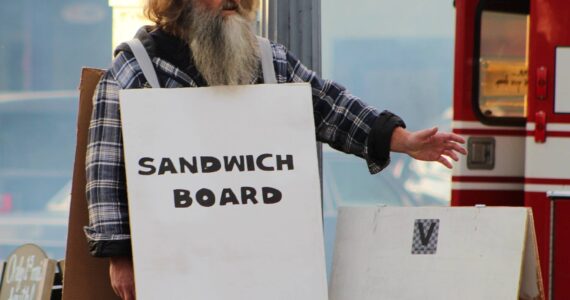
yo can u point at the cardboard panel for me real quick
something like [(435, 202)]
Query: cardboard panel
[(434, 253), (562, 90), (86, 277), (532, 286)]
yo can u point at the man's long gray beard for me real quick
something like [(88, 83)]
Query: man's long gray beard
[(225, 50)]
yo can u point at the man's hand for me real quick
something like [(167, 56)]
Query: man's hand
[(122, 277), (428, 145)]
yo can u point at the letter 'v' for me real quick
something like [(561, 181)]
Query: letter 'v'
[(423, 237)]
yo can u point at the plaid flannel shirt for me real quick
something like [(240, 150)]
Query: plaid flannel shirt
[(341, 120)]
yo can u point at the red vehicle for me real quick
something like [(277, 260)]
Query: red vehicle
[(512, 103)]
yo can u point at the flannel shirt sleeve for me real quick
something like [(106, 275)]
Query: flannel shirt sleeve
[(344, 121), (108, 232)]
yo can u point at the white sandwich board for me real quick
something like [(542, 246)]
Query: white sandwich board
[(435, 253), (224, 198)]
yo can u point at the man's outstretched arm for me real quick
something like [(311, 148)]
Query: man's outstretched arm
[(348, 124)]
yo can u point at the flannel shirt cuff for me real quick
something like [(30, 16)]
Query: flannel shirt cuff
[(108, 246), (379, 140)]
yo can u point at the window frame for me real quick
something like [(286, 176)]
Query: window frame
[(504, 6)]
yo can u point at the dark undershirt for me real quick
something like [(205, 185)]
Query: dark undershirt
[(176, 51)]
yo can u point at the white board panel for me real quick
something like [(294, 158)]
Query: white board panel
[(472, 253), (562, 83), (217, 248)]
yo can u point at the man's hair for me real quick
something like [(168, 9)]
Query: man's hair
[(171, 15)]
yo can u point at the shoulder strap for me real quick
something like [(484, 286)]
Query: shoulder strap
[(144, 62), (267, 61)]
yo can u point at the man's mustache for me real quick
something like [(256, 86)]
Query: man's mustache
[(230, 5)]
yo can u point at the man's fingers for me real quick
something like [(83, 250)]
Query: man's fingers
[(451, 154), (444, 162), (458, 148), (456, 138), (455, 147), (450, 138), (116, 288), (117, 292), (122, 277), (426, 133), (129, 294), (125, 292)]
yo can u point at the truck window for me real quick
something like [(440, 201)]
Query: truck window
[(501, 76)]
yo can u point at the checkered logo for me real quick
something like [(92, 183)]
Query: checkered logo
[(425, 236)]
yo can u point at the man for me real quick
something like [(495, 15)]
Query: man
[(206, 43)]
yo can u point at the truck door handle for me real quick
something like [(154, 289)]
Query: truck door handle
[(540, 128)]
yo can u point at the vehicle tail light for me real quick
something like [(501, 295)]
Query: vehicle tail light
[(6, 205)]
